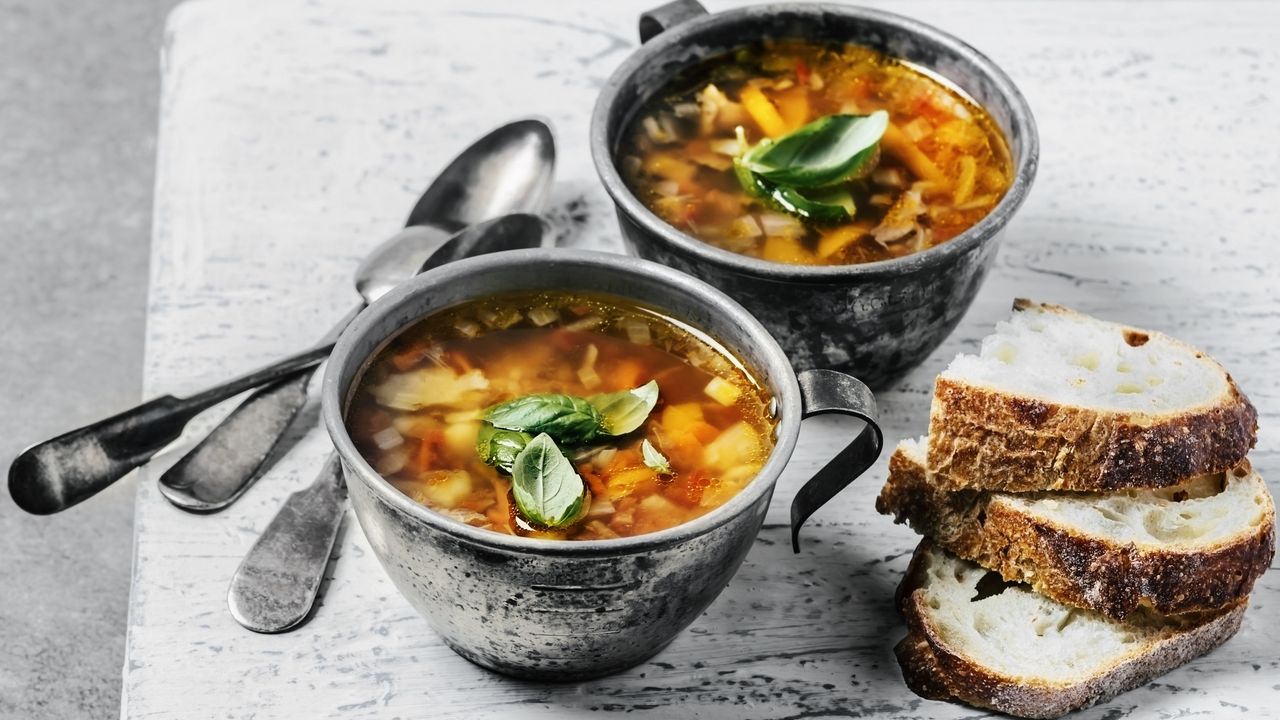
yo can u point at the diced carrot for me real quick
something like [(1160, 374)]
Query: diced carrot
[(900, 146), (763, 112), (627, 373), (704, 432), (598, 488), (802, 72), (793, 106)]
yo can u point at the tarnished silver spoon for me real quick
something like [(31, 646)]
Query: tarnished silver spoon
[(508, 170), (276, 584)]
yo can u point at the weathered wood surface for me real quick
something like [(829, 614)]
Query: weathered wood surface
[(295, 135)]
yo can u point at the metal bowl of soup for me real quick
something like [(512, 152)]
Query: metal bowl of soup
[(867, 296), (403, 400)]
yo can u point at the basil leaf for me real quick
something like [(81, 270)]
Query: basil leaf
[(547, 490), (499, 447), (655, 459), (824, 152), (570, 420), (622, 412), (836, 207)]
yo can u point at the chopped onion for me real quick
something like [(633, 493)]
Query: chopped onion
[(715, 161), (746, 227), (600, 508), (631, 165), (726, 147), (779, 224), (783, 84), (500, 319), (392, 462), (468, 328), (543, 316), (387, 438), (637, 331), (881, 200), (590, 322), (917, 129), (815, 81), (686, 110), (660, 132), (605, 457), (849, 107), (587, 373), (667, 188), (889, 177)]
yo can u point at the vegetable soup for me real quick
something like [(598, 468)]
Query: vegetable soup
[(807, 153), (564, 416)]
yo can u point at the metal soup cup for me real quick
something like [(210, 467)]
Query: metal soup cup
[(876, 320), (577, 609)]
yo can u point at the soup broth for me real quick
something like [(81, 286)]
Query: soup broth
[(940, 166), (419, 408)]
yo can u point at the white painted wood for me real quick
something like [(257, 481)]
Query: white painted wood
[(295, 134)]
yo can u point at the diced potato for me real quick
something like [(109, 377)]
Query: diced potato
[(763, 112), (658, 505), (460, 438), (443, 488), (728, 485), (786, 250), (739, 444), (670, 167), (722, 391), (428, 387)]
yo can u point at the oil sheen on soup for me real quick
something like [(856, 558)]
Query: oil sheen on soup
[(503, 413), (937, 167)]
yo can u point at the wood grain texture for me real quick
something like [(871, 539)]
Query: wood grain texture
[(295, 136)]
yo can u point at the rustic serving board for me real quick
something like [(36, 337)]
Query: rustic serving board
[(295, 135)]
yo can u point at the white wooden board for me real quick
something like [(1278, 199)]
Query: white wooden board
[(295, 135)]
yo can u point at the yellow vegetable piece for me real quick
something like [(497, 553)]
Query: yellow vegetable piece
[(669, 167), (793, 106), (739, 444), (722, 391), (786, 250), (763, 112), (460, 438), (624, 482), (443, 488), (896, 143), (679, 420), (965, 182), (838, 239)]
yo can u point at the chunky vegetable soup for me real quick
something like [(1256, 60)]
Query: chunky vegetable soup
[(561, 416), (800, 152)]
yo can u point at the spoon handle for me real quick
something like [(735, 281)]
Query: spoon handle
[(276, 584), (54, 475), (239, 449)]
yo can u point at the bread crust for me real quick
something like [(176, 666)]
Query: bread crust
[(986, 439), (934, 669), (1070, 566)]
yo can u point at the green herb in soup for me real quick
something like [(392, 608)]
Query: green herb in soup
[(561, 416), (805, 153)]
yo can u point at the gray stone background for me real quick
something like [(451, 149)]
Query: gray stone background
[(79, 85)]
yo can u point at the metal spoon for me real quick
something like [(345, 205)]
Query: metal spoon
[(276, 584), (508, 170)]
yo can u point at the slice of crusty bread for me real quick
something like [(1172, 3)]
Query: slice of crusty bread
[(1023, 654), (1190, 547), (1057, 400)]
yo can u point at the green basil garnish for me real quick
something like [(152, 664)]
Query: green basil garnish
[(623, 412), (654, 458), (499, 447), (570, 420), (546, 488), (827, 151), (825, 205)]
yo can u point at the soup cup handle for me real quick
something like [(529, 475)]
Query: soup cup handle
[(665, 17), (828, 391)]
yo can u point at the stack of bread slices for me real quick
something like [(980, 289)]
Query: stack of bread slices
[(1090, 518)]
